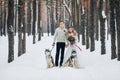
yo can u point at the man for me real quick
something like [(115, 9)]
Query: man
[(60, 39)]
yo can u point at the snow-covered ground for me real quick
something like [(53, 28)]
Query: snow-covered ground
[(32, 65)]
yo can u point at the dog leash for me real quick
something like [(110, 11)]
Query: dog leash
[(51, 49), (77, 47)]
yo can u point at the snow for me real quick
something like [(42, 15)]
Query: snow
[(103, 14), (32, 65)]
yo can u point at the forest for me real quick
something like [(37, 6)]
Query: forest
[(94, 20)]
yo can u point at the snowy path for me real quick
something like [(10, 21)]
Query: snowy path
[(32, 65)]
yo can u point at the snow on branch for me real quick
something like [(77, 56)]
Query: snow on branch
[(103, 14), (67, 8)]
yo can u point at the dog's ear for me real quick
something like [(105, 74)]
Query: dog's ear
[(47, 50), (74, 51)]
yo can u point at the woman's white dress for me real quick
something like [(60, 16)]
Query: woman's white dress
[(69, 50)]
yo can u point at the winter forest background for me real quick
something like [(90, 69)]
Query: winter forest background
[(96, 21), (35, 17)]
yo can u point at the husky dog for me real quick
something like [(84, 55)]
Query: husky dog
[(72, 61), (49, 59)]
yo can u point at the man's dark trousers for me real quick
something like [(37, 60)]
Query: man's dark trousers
[(59, 46)]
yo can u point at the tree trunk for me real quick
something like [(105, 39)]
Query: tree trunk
[(20, 28), (0, 18), (112, 30), (87, 11), (29, 17), (118, 27), (102, 28), (83, 28), (57, 11), (10, 30), (96, 21), (16, 17), (39, 20), (48, 20), (92, 40), (73, 13), (108, 17), (4, 24), (34, 21), (78, 19), (24, 28), (52, 18)]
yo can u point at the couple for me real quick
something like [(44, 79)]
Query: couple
[(63, 38)]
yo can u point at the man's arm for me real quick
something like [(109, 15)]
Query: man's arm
[(55, 36)]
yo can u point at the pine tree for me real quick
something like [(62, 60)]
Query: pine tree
[(23, 27), (10, 30), (48, 17), (112, 30), (118, 26), (34, 21), (91, 29), (39, 21), (87, 11), (29, 31), (52, 18), (4, 17), (96, 20), (102, 28), (20, 29), (0, 18)]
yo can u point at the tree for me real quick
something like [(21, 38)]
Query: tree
[(10, 30), (117, 6), (78, 23), (57, 11), (48, 17), (52, 18), (0, 18), (29, 17), (4, 16), (39, 21), (83, 21), (108, 17), (102, 28), (15, 16), (91, 29), (34, 21), (21, 28), (83, 27), (112, 30), (87, 11), (96, 20)]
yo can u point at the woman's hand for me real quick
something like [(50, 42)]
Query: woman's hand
[(67, 45)]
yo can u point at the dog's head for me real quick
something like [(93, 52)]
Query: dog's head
[(47, 52), (74, 53)]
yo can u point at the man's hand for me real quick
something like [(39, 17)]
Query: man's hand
[(67, 45)]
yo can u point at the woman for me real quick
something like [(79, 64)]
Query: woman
[(72, 39)]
